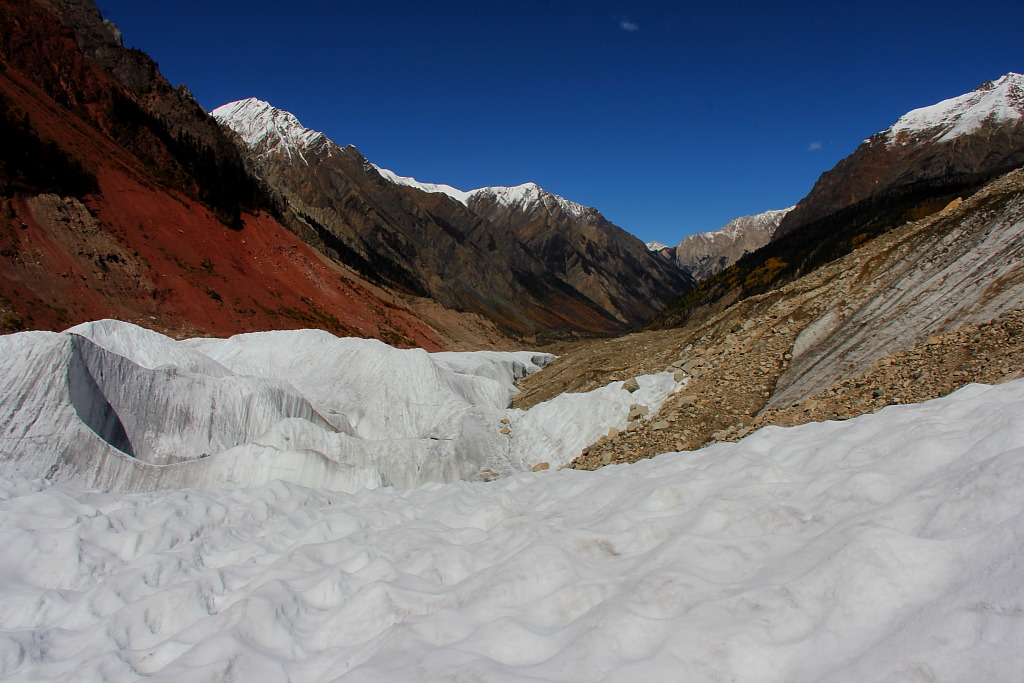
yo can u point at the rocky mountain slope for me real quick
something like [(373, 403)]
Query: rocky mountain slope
[(914, 314), (913, 169), (523, 257), (708, 253), (946, 147), (120, 197)]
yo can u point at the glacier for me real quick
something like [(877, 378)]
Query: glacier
[(883, 548), (112, 405)]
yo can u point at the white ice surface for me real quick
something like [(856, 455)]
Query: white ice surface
[(885, 548), (112, 405)]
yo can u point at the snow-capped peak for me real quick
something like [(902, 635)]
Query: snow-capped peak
[(266, 129), (994, 102), (766, 222), (656, 246), (529, 194), (518, 195), (707, 253)]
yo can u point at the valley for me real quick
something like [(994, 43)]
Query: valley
[(270, 411)]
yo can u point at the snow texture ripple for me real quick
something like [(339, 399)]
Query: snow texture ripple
[(884, 548)]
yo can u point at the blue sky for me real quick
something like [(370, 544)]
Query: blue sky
[(670, 117)]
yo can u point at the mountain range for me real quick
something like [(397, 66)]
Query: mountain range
[(521, 256), (123, 198)]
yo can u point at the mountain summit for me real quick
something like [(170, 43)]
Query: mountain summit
[(949, 147), (121, 198), (991, 104), (522, 196), (924, 163), (265, 129), (709, 253)]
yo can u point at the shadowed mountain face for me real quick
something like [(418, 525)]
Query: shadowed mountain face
[(529, 260)]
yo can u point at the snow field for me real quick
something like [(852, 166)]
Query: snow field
[(883, 548)]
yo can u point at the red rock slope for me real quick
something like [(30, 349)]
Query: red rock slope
[(130, 231)]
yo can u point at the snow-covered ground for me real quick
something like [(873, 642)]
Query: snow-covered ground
[(885, 548), (116, 406)]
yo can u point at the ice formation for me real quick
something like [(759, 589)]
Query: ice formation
[(112, 405)]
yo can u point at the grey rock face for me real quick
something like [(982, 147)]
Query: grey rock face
[(709, 253)]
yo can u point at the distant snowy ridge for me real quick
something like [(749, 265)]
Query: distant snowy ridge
[(656, 246), (455, 193), (268, 130), (732, 231), (519, 195), (707, 253), (527, 195), (994, 102)]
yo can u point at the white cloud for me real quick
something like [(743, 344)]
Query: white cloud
[(816, 145), (627, 25)]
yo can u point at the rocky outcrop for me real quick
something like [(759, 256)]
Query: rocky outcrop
[(989, 353)]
